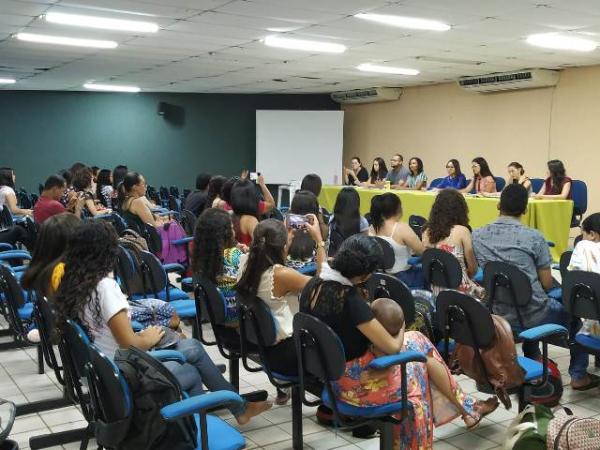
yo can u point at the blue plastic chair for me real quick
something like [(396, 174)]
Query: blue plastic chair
[(579, 192), (500, 183), (536, 184), (435, 183)]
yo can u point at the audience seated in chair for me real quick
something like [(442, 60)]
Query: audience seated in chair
[(8, 197), (386, 213), (49, 202), (89, 294), (248, 207), (82, 183), (346, 219), (335, 298), (196, 200), (105, 193), (557, 185), (508, 240), (448, 229), (263, 274), (483, 180), (135, 207)]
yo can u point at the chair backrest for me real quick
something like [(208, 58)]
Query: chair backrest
[(153, 238), (579, 193), (500, 183), (417, 223), (565, 260), (581, 294), (435, 183), (389, 257), (506, 285), (110, 397), (46, 325), (174, 191), (153, 272), (441, 268), (187, 219), (77, 342), (13, 299), (129, 272), (536, 184), (320, 351), (383, 285), (115, 220), (206, 292), (259, 324), (464, 319), (174, 203)]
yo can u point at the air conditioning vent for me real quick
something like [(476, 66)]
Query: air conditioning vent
[(523, 79), (376, 94)]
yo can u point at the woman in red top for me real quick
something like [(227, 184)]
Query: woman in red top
[(246, 206), (557, 185)]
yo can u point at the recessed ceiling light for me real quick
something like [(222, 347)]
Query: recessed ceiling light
[(61, 40), (111, 87), (301, 44), (412, 23), (7, 81), (101, 22), (561, 42), (387, 69)]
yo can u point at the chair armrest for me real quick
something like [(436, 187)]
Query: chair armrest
[(4, 247), (15, 254), (136, 326), (173, 267), (168, 355), (543, 331), (383, 362), (200, 403), (478, 277), (183, 241), (414, 260)]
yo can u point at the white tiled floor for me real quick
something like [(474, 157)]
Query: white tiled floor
[(20, 382)]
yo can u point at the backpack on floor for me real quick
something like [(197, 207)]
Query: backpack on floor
[(153, 387), (170, 252), (550, 393), (528, 430), (568, 432)]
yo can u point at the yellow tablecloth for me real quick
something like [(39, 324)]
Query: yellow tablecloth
[(551, 217)]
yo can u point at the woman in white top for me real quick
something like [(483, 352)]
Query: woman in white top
[(263, 274), (89, 294), (8, 198), (386, 212)]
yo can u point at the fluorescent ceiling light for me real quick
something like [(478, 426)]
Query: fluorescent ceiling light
[(301, 44), (387, 69), (61, 40), (7, 81), (111, 87), (561, 42), (413, 23), (104, 23)]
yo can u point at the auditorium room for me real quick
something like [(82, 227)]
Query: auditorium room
[(300, 224)]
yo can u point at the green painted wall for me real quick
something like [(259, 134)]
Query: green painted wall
[(43, 132)]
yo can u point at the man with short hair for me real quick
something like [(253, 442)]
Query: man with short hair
[(508, 240), (398, 174), (357, 174), (195, 201), (49, 205)]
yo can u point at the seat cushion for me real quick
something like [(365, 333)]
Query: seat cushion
[(589, 342), (187, 284), (26, 311), (533, 369), (363, 411), (221, 435), (174, 294), (184, 308)]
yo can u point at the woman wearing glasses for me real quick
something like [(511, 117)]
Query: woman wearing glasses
[(483, 181), (455, 178)]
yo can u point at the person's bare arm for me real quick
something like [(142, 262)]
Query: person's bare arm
[(269, 200), (120, 327), (470, 259), (411, 239), (545, 277), (91, 207), (11, 201), (562, 196), (469, 187), (140, 208), (380, 338), (286, 280)]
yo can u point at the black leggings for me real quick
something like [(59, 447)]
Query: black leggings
[(17, 234)]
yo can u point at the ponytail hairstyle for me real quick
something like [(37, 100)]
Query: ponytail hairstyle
[(384, 206), (125, 187), (267, 249)]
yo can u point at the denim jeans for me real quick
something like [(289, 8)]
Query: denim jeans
[(412, 277), (557, 314), (199, 370)]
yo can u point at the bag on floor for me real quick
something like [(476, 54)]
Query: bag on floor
[(170, 252), (550, 393), (528, 430), (568, 432)]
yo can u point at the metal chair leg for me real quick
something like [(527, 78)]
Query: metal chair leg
[(386, 440), (297, 440)]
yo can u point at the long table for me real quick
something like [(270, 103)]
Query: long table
[(551, 217)]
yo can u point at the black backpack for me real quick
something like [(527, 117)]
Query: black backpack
[(152, 387)]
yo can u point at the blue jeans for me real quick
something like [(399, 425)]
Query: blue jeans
[(412, 277), (557, 314), (199, 370)]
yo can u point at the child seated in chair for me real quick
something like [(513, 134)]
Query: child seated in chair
[(435, 396)]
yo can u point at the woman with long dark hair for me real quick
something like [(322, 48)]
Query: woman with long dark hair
[(104, 188), (417, 180), (215, 186), (302, 248), (263, 274), (346, 219), (448, 229), (557, 185), (455, 179), (133, 202), (386, 213), (89, 294), (82, 183), (378, 173), (483, 180)]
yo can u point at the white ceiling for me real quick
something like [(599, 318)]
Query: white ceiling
[(214, 45)]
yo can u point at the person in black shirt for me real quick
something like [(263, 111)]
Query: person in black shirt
[(357, 174), (196, 201)]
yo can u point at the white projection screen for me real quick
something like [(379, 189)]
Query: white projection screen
[(291, 144)]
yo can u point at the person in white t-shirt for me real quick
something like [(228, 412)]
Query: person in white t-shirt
[(8, 198), (89, 294)]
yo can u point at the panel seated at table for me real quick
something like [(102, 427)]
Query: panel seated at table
[(551, 217)]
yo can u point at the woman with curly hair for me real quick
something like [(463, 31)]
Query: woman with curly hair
[(448, 229), (89, 294), (216, 256)]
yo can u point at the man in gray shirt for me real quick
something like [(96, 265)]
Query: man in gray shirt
[(508, 240), (398, 174)]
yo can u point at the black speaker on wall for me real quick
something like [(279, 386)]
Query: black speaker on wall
[(173, 114)]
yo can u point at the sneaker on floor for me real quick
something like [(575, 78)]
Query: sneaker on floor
[(34, 336)]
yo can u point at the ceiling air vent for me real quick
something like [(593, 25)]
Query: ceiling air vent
[(523, 79)]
